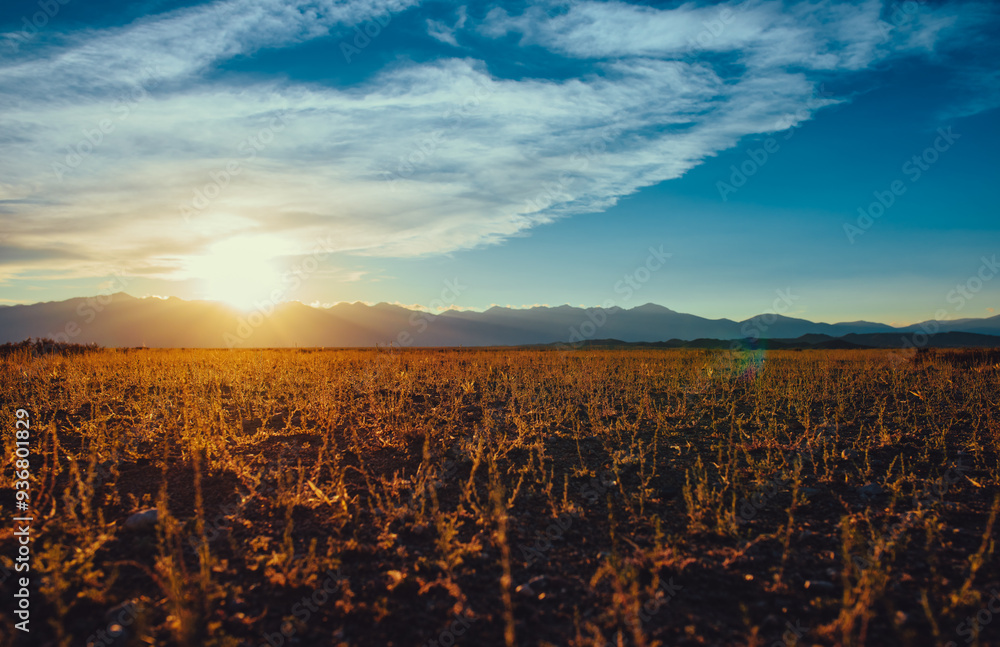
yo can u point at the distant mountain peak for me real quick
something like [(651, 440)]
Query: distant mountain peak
[(652, 307), (124, 320)]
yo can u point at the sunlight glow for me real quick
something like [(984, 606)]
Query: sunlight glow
[(237, 271)]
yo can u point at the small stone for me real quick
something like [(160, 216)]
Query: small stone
[(120, 617), (122, 612), (872, 489), (142, 520), (526, 589)]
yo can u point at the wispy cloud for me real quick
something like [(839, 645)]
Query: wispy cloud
[(816, 36), (422, 158), (444, 32)]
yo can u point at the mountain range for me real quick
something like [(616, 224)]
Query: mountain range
[(121, 320)]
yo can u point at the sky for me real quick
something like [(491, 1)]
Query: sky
[(709, 157)]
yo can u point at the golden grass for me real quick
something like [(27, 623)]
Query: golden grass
[(430, 481)]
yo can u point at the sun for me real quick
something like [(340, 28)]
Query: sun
[(238, 271)]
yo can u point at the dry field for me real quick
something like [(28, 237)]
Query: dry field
[(505, 497)]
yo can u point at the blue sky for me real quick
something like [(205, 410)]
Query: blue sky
[(528, 152)]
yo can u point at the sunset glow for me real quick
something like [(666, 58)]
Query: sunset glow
[(238, 271), (767, 145)]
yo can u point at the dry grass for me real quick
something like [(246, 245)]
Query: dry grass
[(517, 497)]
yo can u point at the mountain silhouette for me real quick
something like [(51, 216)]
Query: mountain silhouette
[(126, 321)]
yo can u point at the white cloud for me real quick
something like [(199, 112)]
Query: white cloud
[(424, 158), (178, 44), (820, 35), (446, 33), (353, 276)]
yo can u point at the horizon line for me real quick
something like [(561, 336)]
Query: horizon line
[(454, 308)]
